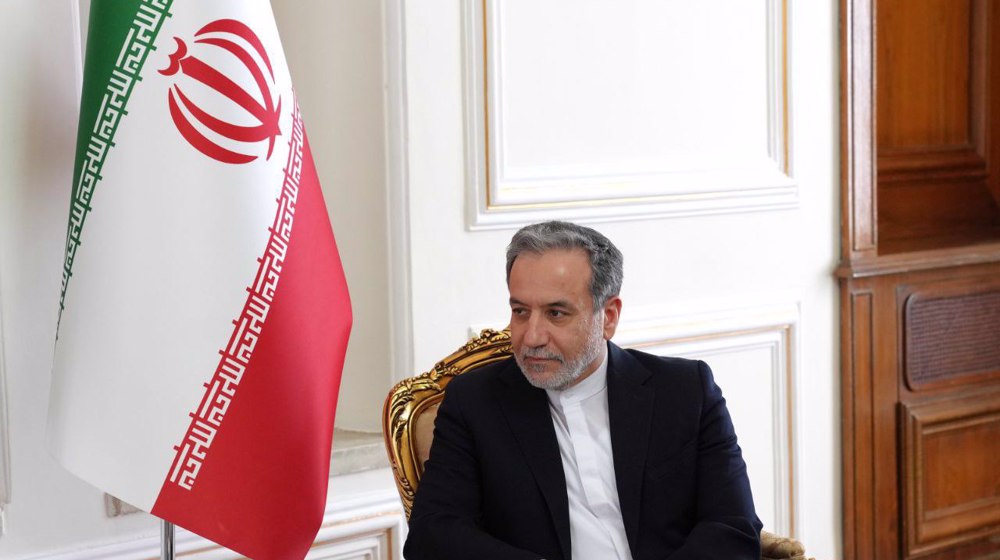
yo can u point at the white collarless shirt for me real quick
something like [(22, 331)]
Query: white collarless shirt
[(580, 417)]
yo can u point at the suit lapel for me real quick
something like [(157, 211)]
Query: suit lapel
[(527, 411), (630, 408)]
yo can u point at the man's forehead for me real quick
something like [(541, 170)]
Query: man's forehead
[(553, 265), (558, 277)]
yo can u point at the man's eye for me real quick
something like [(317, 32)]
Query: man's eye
[(555, 313), (518, 311)]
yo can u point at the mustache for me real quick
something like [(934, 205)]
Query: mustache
[(541, 353)]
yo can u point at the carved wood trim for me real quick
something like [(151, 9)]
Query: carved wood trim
[(858, 430), (918, 261), (857, 131), (931, 164)]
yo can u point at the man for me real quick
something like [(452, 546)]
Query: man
[(576, 448)]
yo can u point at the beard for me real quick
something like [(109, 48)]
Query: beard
[(569, 369)]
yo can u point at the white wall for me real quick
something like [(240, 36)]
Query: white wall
[(334, 52), (38, 110), (815, 62)]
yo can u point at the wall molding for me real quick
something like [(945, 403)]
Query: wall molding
[(496, 200), (397, 184), (5, 479)]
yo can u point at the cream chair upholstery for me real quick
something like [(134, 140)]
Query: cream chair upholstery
[(410, 409)]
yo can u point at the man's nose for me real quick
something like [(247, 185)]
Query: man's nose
[(536, 334)]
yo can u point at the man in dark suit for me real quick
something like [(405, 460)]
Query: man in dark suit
[(576, 448)]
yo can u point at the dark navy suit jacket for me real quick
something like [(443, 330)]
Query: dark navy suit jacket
[(494, 487)]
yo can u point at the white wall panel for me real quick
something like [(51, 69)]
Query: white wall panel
[(752, 354), (557, 123)]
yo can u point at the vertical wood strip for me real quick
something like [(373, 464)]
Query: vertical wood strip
[(861, 518), (858, 126)]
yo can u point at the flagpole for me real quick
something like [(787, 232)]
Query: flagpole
[(166, 540)]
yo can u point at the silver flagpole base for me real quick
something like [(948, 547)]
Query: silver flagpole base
[(166, 540)]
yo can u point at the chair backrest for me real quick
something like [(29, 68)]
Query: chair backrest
[(410, 409)]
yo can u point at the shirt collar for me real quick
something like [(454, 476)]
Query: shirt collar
[(593, 384)]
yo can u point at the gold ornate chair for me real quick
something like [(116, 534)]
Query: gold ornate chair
[(410, 409)]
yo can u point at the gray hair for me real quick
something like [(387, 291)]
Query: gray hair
[(605, 259)]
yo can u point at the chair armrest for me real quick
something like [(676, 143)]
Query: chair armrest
[(773, 547)]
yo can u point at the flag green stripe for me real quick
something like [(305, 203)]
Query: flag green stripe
[(120, 36)]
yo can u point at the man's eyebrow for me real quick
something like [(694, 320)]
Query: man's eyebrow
[(558, 303)]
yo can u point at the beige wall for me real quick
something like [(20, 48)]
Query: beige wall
[(334, 53)]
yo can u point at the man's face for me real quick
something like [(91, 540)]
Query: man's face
[(556, 336)]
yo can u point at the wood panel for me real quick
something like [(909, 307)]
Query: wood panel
[(920, 262), (936, 68), (875, 387), (952, 471), (927, 57), (923, 210)]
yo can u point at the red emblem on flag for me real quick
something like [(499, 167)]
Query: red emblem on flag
[(257, 109)]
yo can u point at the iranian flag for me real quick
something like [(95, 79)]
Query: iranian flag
[(204, 314)]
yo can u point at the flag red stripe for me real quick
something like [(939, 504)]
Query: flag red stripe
[(278, 431)]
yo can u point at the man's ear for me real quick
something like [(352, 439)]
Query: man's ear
[(611, 312)]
